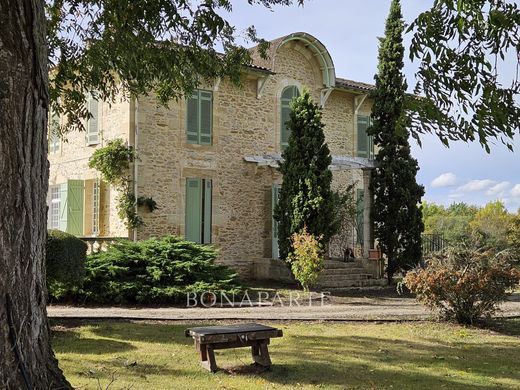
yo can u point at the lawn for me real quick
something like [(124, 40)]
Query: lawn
[(422, 355)]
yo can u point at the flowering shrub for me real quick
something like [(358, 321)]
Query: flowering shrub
[(464, 284), (306, 258)]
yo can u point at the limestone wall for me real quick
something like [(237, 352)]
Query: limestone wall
[(70, 162), (243, 125)]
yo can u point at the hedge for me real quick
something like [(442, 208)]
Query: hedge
[(65, 264)]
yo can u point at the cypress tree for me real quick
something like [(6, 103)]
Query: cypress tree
[(305, 198), (397, 212)]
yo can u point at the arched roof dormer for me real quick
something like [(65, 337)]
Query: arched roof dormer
[(320, 52), (317, 49)]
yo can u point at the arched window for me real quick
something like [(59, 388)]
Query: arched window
[(288, 94)]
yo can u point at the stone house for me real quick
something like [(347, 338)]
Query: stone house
[(210, 161)]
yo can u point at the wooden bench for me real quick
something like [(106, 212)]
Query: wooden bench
[(209, 338)]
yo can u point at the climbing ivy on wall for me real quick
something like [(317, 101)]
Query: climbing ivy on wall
[(113, 162)]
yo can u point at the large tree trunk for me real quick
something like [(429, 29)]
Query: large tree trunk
[(26, 357)]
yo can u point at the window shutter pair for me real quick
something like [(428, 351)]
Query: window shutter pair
[(199, 118), (288, 94), (198, 210), (94, 108)]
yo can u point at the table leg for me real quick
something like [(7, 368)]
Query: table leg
[(260, 353), (207, 355)]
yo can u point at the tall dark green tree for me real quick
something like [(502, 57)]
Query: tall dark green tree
[(306, 198), (397, 210)]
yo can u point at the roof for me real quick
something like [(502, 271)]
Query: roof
[(355, 85)]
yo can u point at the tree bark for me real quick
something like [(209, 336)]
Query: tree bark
[(26, 357)]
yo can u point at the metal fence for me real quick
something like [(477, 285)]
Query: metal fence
[(433, 243)]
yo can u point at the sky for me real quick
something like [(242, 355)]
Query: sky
[(349, 29)]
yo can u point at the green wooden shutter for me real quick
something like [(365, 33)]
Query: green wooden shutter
[(370, 148), (93, 122), (360, 216), (362, 139), (206, 113), (208, 193), (192, 118), (75, 207), (285, 131), (274, 201), (63, 207), (288, 94), (193, 209)]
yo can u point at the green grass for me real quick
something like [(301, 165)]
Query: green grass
[(309, 356)]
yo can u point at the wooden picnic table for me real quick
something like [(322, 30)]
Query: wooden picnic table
[(209, 338)]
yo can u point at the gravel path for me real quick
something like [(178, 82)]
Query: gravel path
[(334, 309)]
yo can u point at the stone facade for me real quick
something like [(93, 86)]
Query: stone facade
[(245, 122)]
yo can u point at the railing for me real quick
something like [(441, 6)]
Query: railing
[(432, 243), (96, 244)]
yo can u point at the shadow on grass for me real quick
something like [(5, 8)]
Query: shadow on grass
[(68, 340), (144, 332), (506, 326), (382, 361)]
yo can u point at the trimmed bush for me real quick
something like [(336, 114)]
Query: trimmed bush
[(155, 271), (306, 259), (65, 264), (464, 284)]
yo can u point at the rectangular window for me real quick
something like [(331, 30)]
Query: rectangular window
[(54, 208), (93, 123), (198, 210), (199, 117), (365, 142), (360, 216), (54, 136)]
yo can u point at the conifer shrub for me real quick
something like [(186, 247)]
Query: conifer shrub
[(306, 197), (154, 271), (65, 263), (464, 284)]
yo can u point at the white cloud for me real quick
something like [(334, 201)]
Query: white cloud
[(476, 185), (445, 180), (455, 195), (515, 191), (498, 189)]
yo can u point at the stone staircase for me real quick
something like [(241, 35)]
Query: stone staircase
[(339, 275)]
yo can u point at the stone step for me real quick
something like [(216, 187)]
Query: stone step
[(332, 264), (333, 278), (343, 271)]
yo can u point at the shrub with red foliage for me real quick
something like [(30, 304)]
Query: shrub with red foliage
[(464, 284)]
